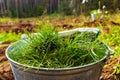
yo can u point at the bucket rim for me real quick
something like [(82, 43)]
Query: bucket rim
[(58, 69)]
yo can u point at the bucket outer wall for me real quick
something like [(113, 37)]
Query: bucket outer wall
[(91, 72)]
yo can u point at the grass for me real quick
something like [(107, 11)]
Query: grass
[(8, 20), (49, 50), (112, 38), (9, 37)]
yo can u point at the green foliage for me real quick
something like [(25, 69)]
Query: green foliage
[(117, 72), (9, 36), (48, 49), (38, 10), (65, 8), (28, 11), (112, 39), (112, 5), (7, 20), (13, 12)]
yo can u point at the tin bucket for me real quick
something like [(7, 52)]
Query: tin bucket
[(90, 71)]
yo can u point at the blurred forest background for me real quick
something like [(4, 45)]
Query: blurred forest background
[(33, 8)]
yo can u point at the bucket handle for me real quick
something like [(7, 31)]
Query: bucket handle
[(111, 51)]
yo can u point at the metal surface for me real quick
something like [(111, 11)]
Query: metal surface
[(91, 72)]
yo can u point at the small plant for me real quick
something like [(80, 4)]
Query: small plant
[(49, 50), (10, 36), (117, 72), (99, 13)]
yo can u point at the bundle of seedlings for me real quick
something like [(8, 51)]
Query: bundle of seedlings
[(47, 49)]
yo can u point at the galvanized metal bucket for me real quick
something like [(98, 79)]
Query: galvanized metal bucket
[(87, 72)]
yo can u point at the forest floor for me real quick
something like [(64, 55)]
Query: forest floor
[(108, 72)]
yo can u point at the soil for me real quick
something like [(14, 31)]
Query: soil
[(5, 70), (101, 22), (27, 25), (20, 26), (108, 70)]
